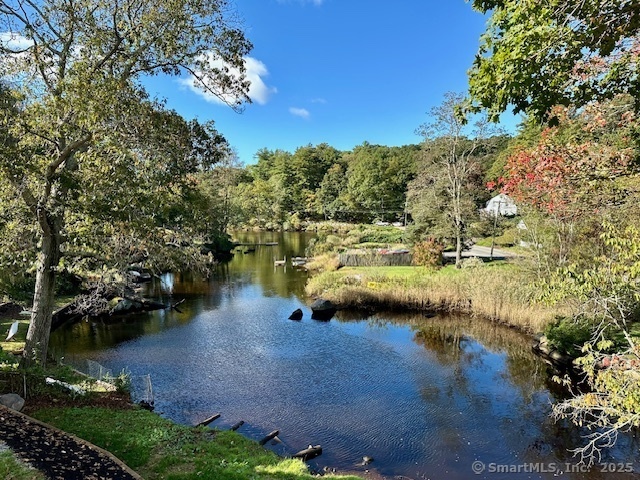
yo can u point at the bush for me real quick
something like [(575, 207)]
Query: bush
[(428, 253), (472, 262), (568, 335)]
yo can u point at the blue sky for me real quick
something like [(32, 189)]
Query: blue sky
[(341, 72)]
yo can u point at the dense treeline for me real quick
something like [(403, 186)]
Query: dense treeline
[(322, 183), (314, 183)]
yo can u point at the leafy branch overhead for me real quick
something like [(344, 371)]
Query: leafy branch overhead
[(536, 55), (84, 146)]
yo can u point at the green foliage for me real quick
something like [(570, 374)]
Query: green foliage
[(534, 56), (568, 335), (449, 189), (100, 170), (319, 182), (428, 253)]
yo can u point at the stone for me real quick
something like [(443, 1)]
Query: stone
[(296, 315), (323, 309), (12, 401)]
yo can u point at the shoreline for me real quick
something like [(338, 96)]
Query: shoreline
[(499, 293)]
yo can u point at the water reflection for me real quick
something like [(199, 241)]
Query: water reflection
[(426, 397)]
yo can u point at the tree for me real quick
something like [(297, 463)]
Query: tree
[(443, 196), (217, 188), (536, 55), (78, 67), (571, 176), (607, 295), (377, 180), (330, 195)]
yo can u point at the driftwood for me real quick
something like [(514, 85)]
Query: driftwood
[(237, 426), (207, 421), (271, 436), (309, 453)]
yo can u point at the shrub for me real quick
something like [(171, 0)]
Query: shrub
[(568, 335), (472, 262), (428, 253)]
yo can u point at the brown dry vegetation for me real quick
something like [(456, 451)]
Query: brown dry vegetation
[(501, 292)]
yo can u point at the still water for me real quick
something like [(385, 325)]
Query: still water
[(425, 397)]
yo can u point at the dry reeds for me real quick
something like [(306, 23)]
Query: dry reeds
[(501, 293)]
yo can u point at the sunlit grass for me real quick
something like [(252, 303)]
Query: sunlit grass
[(159, 449)]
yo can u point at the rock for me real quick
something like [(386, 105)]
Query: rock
[(296, 315), (323, 309), (12, 401), (366, 460)]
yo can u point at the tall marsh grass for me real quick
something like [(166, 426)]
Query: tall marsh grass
[(499, 292)]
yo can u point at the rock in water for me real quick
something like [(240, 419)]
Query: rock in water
[(366, 460), (12, 401), (323, 309), (296, 315)]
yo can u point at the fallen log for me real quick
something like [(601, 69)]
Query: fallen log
[(207, 421), (271, 436), (309, 453), (237, 426)]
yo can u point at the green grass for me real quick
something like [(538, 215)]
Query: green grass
[(13, 469), (159, 449), (17, 343)]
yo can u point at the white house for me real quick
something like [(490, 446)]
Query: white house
[(501, 204)]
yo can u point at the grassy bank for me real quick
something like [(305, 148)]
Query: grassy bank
[(156, 448), (498, 291), (11, 468)]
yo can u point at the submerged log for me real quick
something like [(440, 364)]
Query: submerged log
[(271, 436), (309, 453), (237, 426), (207, 421)]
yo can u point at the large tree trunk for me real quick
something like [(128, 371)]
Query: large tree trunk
[(37, 342), (458, 251)]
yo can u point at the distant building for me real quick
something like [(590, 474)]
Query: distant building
[(501, 205)]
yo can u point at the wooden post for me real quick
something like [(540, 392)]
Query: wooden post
[(206, 422), (237, 426), (309, 453), (271, 436)]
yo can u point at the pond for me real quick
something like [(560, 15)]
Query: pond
[(425, 397)]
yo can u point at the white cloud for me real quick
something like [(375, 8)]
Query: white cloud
[(259, 92), (14, 41), (318, 100), (300, 112)]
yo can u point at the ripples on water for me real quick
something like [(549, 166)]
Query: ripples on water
[(424, 397)]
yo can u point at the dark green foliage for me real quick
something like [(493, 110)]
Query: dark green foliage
[(568, 335), (320, 183)]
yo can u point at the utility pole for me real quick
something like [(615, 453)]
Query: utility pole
[(495, 225)]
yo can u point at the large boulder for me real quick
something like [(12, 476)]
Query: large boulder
[(323, 309), (12, 401)]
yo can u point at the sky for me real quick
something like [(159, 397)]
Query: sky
[(340, 72)]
